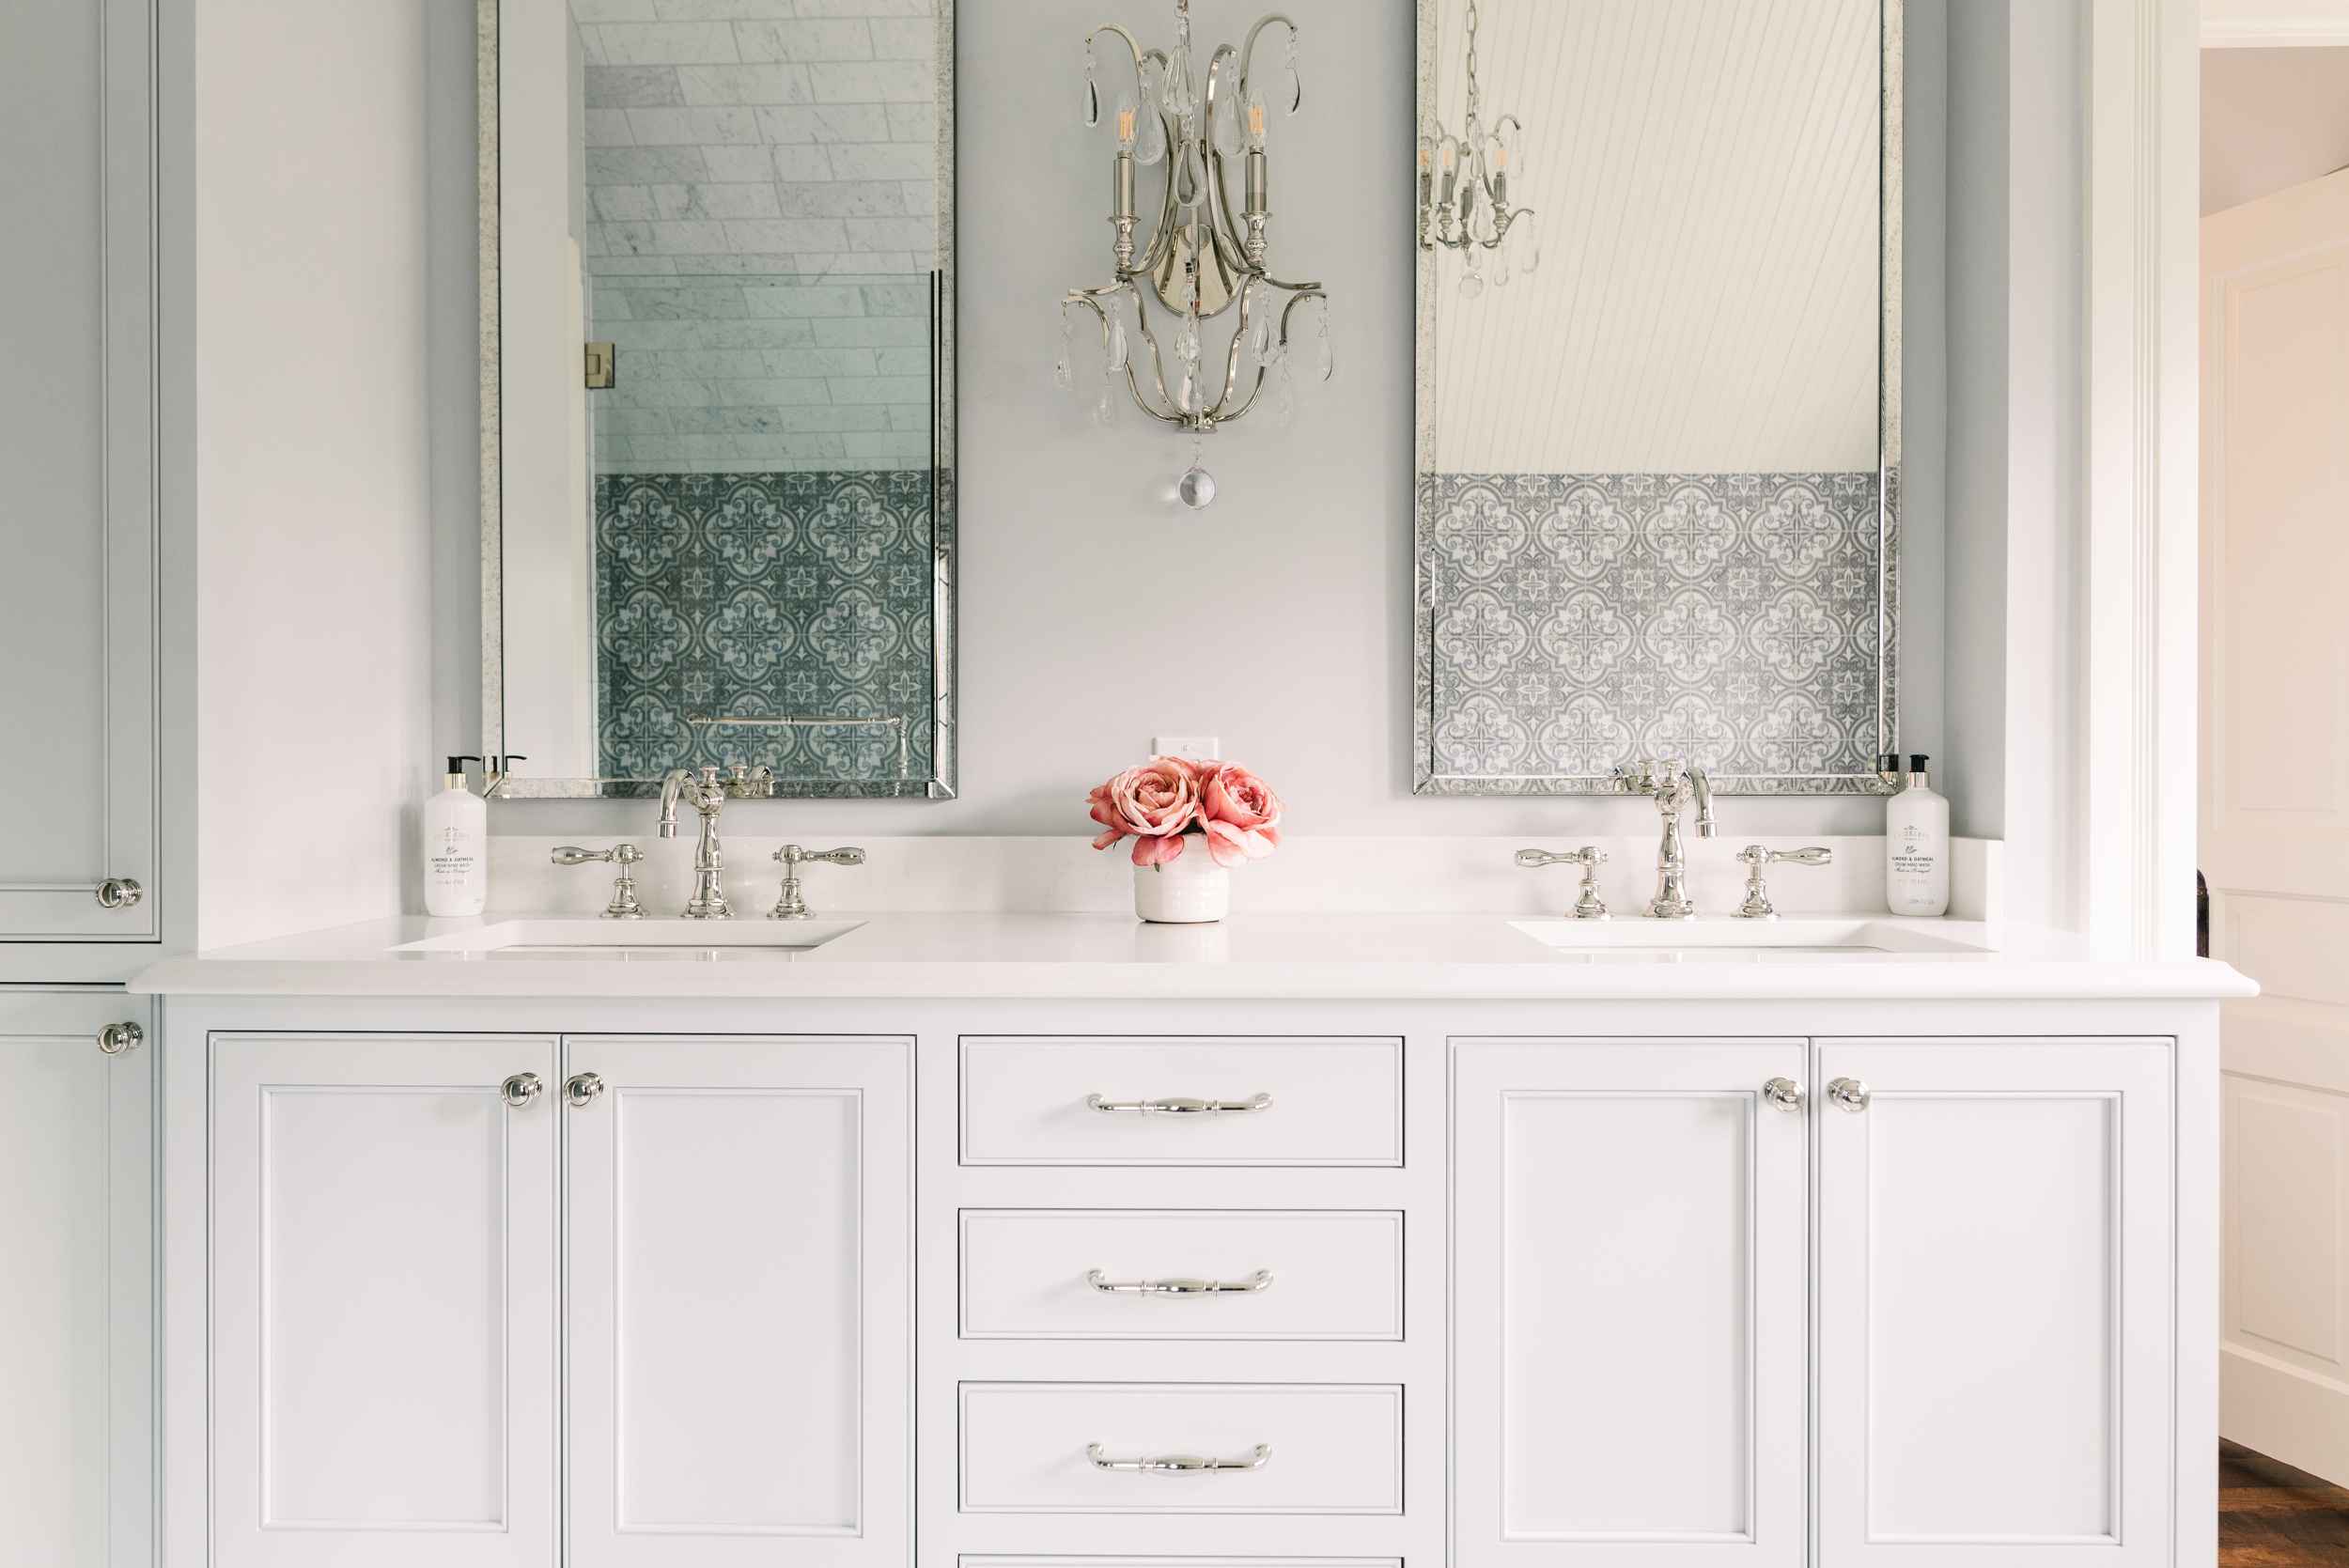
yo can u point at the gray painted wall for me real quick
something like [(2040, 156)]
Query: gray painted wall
[(1095, 612)]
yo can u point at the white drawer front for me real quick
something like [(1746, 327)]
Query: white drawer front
[(971, 1560), (1333, 1448), (1294, 1274), (1031, 1101)]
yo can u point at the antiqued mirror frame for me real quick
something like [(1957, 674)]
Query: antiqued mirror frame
[(940, 783), (1427, 780)]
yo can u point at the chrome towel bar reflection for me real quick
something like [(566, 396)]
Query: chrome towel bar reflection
[(1179, 1464), (1181, 1106), (1260, 1280), (894, 722)]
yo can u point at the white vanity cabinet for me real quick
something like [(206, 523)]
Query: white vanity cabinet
[(76, 1280), (474, 1294), (1643, 1242)]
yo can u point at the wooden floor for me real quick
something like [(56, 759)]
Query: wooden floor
[(2271, 1515)]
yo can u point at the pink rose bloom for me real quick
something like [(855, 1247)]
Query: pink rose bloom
[(1152, 804), (1241, 816)]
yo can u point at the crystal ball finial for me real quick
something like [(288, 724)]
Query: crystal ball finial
[(1196, 488)]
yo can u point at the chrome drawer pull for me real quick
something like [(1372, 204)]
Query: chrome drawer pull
[(1179, 1464), (1261, 1279), (1182, 1106)]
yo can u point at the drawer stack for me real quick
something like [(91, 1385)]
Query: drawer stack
[(1181, 1295)]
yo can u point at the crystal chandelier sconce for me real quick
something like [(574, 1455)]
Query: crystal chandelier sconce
[(1464, 191), (1199, 262)]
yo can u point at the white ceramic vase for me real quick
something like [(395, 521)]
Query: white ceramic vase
[(1189, 889)]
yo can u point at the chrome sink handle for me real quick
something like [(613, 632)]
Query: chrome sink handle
[(1181, 1106), (1590, 857), (1756, 857), (1179, 1464), (790, 904), (1260, 1280), (625, 856)]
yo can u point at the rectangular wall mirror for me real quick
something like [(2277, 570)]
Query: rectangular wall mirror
[(718, 375), (1659, 420)]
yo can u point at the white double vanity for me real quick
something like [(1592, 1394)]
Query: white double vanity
[(1036, 1239)]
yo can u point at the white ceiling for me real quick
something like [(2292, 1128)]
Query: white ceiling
[(1706, 176)]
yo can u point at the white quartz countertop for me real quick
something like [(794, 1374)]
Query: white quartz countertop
[(1450, 955)]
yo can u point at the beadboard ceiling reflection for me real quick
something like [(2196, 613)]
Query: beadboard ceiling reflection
[(1719, 151)]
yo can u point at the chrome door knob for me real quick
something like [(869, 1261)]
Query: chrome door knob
[(583, 1088), (520, 1089), (1783, 1093), (116, 1038), (119, 892), (1849, 1093)]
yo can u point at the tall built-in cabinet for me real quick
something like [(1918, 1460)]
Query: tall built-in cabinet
[(77, 1433), (78, 528), (82, 881)]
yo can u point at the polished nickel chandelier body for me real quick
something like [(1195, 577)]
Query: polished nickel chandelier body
[(1464, 189), (1199, 261)]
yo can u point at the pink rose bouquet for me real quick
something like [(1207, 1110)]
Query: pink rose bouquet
[(1167, 802)]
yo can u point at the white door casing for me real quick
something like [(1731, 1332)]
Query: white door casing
[(77, 442), (1628, 1289), (739, 1297), (76, 1331), (2276, 804), (383, 1302), (1994, 1303)]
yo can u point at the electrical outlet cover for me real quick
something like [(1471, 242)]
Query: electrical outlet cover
[(1191, 748)]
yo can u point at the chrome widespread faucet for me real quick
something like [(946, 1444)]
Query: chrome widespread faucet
[(1677, 786), (707, 796)]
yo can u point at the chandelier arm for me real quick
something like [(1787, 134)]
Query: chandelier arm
[(1157, 367), (1090, 299), (1231, 355), (1132, 47), (1247, 51), (1292, 287)]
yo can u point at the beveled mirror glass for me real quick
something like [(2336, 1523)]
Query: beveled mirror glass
[(718, 372), (1657, 473)]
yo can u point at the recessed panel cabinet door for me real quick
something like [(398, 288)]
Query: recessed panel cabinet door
[(76, 1239), (739, 1215), (77, 446), (1995, 1298), (384, 1312), (1630, 1327)]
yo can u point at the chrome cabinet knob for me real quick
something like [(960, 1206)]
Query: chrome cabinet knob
[(1179, 1464), (520, 1089), (116, 1038), (580, 1089), (119, 892), (1849, 1093), (1783, 1093)]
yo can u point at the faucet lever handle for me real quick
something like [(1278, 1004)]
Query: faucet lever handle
[(1756, 857)]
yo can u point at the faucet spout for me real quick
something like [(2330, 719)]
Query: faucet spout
[(1701, 787), (671, 787)]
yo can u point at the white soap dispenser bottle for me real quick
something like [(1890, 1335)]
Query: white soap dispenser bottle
[(1917, 847), (455, 848)]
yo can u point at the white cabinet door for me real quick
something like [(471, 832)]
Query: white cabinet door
[(1995, 1298), (384, 1312), (739, 1215), (76, 1370), (1628, 1320), (77, 444)]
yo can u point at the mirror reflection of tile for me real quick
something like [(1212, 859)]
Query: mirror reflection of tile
[(771, 594), (1580, 620)]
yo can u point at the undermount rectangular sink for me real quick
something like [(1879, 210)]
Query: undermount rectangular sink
[(635, 940), (1723, 939)]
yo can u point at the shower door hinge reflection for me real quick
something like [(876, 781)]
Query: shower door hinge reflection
[(604, 367)]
